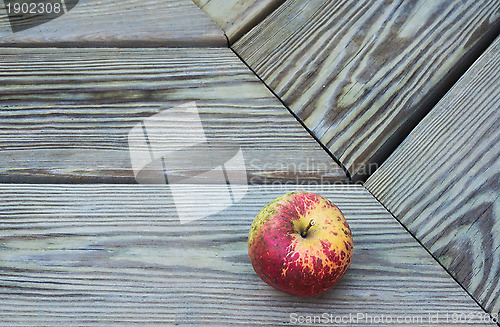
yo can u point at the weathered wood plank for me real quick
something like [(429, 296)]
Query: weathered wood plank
[(238, 17), (118, 23), (66, 114), (116, 255), (443, 181), (362, 74)]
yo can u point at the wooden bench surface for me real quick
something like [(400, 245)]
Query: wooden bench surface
[(93, 255), (72, 90), (237, 17), (361, 74), (66, 114), (443, 184), (119, 23)]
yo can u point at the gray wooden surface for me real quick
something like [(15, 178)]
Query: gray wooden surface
[(120, 23), (66, 114), (361, 74), (118, 255), (237, 17), (94, 255), (443, 181)]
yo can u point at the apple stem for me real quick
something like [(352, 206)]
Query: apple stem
[(304, 233)]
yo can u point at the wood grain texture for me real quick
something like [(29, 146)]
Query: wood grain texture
[(237, 17), (120, 23), (66, 114), (443, 181), (93, 255), (361, 74)]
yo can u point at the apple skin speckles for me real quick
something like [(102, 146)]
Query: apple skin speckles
[(301, 266)]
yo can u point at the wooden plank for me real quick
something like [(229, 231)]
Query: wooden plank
[(362, 74), (238, 17), (86, 255), (117, 23), (66, 114), (443, 181)]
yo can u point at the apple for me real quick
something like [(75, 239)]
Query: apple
[(301, 244)]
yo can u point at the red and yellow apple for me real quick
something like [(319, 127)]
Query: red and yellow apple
[(300, 244)]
